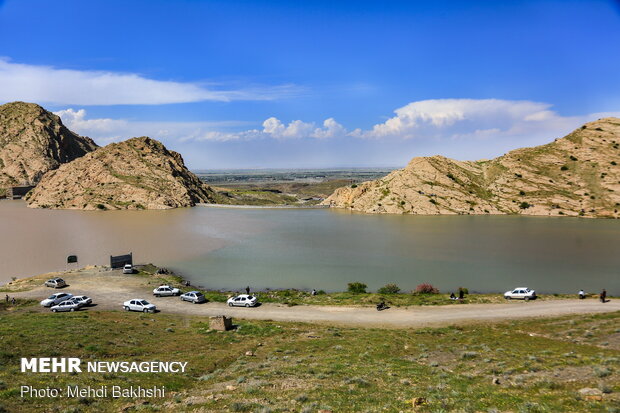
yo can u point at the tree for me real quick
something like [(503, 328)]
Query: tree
[(357, 287)]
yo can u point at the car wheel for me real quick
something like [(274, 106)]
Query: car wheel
[(230, 304), (145, 311), (247, 305), (195, 302), (73, 309), (54, 310), (126, 308), (527, 298)]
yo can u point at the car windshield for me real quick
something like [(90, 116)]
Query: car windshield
[(144, 302), (250, 297), (51, 297)]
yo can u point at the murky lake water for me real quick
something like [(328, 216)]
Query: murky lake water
[(322, 249)]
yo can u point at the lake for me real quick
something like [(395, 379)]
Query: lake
[(223, 248)]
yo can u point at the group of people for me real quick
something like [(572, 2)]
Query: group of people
[(602, 296), (6, 299)]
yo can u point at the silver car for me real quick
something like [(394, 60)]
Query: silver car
[(55, 299), (67, 305), (195, 297), (166, 291), (243, 300), (55, 283)]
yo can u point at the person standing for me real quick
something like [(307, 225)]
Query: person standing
[(247, 290), (603, 296), (6, 298)]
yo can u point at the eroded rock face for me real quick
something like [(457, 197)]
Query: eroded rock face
[(34, 141), (139, 173), (577, 175)]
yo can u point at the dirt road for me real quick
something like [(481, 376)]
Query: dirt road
[(109, 289)]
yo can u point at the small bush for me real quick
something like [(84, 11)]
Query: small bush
[(357, 287), (572, 158), (354, 186), (426, 288), (101, 206), (524, 205), (614, 163), (389, 289), (564, 168), (521, 193)]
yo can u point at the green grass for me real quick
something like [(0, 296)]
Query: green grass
[(305, 367)]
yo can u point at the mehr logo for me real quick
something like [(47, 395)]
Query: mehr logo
[(51, 365)]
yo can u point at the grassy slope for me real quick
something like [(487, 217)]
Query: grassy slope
[(540, 364)]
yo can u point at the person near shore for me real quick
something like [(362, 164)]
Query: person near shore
[(247, 290), (6, 298), (313, 292), (603, 296), (461, 293), (452, 296), (13, 301), (582, 294)]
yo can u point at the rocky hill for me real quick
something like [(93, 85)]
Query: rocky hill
[(139, 173), (577, 175), (34, 141)]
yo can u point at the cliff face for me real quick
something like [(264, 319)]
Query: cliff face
[(139, 173), (574, 175), (34, 141)]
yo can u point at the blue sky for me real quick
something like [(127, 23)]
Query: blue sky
[(248, 84)]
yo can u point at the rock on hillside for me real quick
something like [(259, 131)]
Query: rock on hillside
[(574, 175), (34, 141), (139, 173)]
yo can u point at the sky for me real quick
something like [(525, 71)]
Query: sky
[(315, 84)]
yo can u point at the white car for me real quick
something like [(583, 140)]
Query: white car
[(194, 297), (55, 299), (128, 269), (242, 300), (521, 293), (166, 291), (138, 304), (82, 300), (67, 305)]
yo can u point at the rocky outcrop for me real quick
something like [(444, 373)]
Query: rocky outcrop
[(577, 175), (139, 173), (34, 141)]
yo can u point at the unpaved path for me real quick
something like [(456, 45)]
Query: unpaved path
[(109, 289)]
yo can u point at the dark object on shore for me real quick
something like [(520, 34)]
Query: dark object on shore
[(162, 271), (461, 294), (582, 294), (313, 292), (13, 301), (187, 284), (382, 306), (452, 296), (603, 296), (220, 323), (6, 298), (247, 290)]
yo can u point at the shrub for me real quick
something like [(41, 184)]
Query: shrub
[(451, 177), (357, 287), (524, 205), (101, 206), (564, 168), (465, 290), (572, 158), (521, 193), (614, 163), (426, 288), (389, 289), (354, 186)]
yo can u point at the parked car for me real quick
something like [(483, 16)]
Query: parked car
[(128, 269), (67, 305), (82, 300), (242, 300), (195, 297), (55, 283), (55, 299), (138, 304), (521, 293), (166, 291)]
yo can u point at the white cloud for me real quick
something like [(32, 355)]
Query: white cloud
[(47, 84), (106, 130), (427, 120)]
